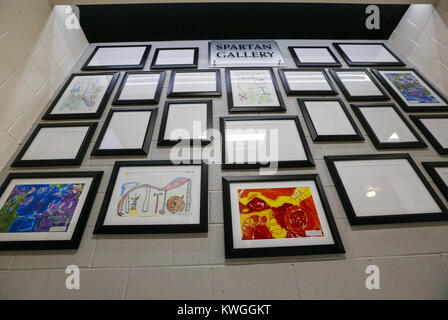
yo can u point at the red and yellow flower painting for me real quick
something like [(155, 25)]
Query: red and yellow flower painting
[(278, 213)]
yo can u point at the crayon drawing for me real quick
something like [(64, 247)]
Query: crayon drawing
[(411, 88), (253, 88)]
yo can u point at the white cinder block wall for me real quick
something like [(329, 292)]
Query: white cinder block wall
[(37, 52)]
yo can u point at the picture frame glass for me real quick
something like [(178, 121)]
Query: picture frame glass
[(195, 82), (314, 55), (438, 128), (186, 121), (140, 86), (175, 57), (299, 80), (358, 83), (443, 174), (372, 53), (117, 56)]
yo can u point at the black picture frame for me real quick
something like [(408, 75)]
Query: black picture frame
[(309, 162), (155, 100), (329, 138), (201, 227), (144, 150), (140, 65), (420, 143), (164, 142), (367, 63), (427, 133), (382, 219), (175, 66), (231, 252), (314, 64), (332, 92), (18, 162), (75, 240), (231, 107), (430, 167), (216, 93), (75, 116), (403, 104), (346, 93)]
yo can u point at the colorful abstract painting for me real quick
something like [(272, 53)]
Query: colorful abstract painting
[(278, 213), (411, 88), (40, 208)]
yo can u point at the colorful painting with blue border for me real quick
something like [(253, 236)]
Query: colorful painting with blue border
[(411, 88), (40, 208)]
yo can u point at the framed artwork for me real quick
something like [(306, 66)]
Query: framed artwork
[(117, 57), (83, 96), (191, 83), (186, 122), (56, 144), (314, 57), (384, 188), (328, 119), (155, 197), (41, 211), (140, 88), (435, 128), (387, 127), (367, 54), (253, 90), (175, 58), (263, 141), (277, 216), (411, 90), (439, 174), (126, 131), (358, 85), (307, 82)]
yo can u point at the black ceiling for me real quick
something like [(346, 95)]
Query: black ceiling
[(199, 21)]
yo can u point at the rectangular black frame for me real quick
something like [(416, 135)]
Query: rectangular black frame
[(374, 138), (163, 142), (367, 63), (289, 92), (402, 102), (346, 93), (117, 100), (122, 152), (74, 242), (175, 66), (230, 252), (314, 64), (404, 218), (430, 167), (74, 116), (281, 164), (431, 138), (202, 227), (281, 107), (85, 67), (56, 162), (216, 93), (330, 138)]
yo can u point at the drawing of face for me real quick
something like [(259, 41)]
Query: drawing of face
[(175, 204)]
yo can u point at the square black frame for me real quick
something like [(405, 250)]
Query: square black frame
[(349, 210), (122, 152), (314, 64), (201, 227), (74, 116), (86, 67), (74, 242), (346, 93), (330, 138), (374, 138), (427, 133), (309, 162), (230, 252), (367, 63), (430, 167), (216, 93), (56, 162), (164, 142), (289, 91), (155, 100), (402, 102), (281, 107), (175, 66)]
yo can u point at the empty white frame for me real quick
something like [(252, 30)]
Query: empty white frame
[(166, 58), (254, 142), (329, 120), (384, 189), (202, 83), (435, 129), (140, 88), (367, 54), (306, 82), (117, 57), (126, 131), (314, 57), (439, 174)]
